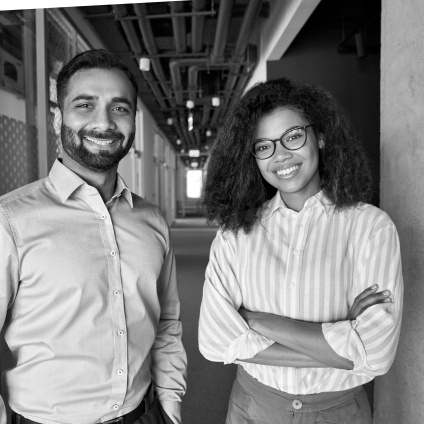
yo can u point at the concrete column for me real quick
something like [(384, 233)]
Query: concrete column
[(399, 395)]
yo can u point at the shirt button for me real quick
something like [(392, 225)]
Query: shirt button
[(103, 216), (120, 372), (112, 253), (116, 292), (120, 333), (292, 284), (297, 404), (115, 407), (300, 225)]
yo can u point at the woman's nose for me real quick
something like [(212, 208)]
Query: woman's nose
[(281, 153)]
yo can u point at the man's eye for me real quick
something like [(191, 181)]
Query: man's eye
[(121, 109), (84, 106)]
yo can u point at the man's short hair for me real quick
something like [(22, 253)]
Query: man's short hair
[(91, 59)]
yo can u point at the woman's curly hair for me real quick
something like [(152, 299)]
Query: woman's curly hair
[(235, 190)]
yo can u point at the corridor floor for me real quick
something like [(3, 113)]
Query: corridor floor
[(209, 383)]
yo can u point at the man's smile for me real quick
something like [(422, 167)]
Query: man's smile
[(100, 141)]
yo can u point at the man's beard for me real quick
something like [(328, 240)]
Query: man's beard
[(100, 161)]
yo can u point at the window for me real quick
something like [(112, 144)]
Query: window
[(194, 183)]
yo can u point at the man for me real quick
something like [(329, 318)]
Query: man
[(88, 292)]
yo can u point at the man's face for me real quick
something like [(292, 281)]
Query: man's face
[(97, 123)]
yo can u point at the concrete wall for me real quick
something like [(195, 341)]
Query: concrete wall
[(399, 396)]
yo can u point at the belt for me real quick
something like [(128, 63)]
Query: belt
[(125, 419)]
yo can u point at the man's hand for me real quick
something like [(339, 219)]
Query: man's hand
[(173, 410), (367, 298)]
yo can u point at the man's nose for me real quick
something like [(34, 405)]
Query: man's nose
[(103, 120)]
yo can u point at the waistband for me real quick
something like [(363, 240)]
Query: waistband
[(289, 402), (128, 418)]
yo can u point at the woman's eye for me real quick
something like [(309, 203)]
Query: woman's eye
[(293, 137), (262, 147)]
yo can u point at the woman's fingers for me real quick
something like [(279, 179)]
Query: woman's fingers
[(367, 298)]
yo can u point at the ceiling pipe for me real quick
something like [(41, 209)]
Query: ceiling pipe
[(174, 67), (155, 89), (205, 116), (248, 23), (179, 27), (221, 34), (149, 43), (197, 26), (129, 30), (197, 137), (249, 19), (216, 58), (133, 40)]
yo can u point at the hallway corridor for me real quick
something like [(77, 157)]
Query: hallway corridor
[(209, 384)]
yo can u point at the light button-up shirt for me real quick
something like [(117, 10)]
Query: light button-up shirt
[(89, 301)]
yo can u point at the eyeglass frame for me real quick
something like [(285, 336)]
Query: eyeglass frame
[(280, 139)]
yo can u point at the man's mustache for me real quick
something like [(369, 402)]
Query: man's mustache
[(106, 135)]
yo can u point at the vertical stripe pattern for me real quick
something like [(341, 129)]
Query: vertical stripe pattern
[(308, 266)]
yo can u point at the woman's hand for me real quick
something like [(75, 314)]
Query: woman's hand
[(367, 298)]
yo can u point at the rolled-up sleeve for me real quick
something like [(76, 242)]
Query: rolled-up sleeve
[(223, 334), (370, 341), (169, 360)]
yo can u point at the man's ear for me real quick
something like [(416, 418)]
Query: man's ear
[(57, 122)]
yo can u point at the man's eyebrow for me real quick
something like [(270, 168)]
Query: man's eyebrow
[(122, 100), (84, 97), (92, 97)]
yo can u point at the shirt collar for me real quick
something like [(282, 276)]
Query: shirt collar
[(121, 188), (318, 200), (66, 182)]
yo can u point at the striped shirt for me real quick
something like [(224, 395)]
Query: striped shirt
[(310, 266)]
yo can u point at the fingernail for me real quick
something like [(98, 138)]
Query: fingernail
[(386, 292), (374, 287), (387, 300)]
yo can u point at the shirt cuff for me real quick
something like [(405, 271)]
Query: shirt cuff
[(246, 346), (345, 341)]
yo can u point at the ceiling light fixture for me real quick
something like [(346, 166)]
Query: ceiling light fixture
[(178, 141), (216, 101), (190, 121), (208, 133), (144, 64), (194, 153), (169, 121)]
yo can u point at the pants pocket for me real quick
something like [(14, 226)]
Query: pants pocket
[(354, 411)]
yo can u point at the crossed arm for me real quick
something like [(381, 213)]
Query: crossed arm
[(364, 341), (301, 343)]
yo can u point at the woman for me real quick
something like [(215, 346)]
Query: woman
[(291, 285)]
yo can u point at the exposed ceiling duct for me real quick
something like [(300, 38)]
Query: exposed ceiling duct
[(197, 50)]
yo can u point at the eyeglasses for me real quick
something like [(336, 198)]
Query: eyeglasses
[(292, 139)]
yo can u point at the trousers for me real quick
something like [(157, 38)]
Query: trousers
[(252, 402)]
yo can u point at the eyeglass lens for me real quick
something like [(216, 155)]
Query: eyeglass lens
[(291, 140)]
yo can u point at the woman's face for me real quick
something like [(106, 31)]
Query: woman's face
[(294, 173)]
